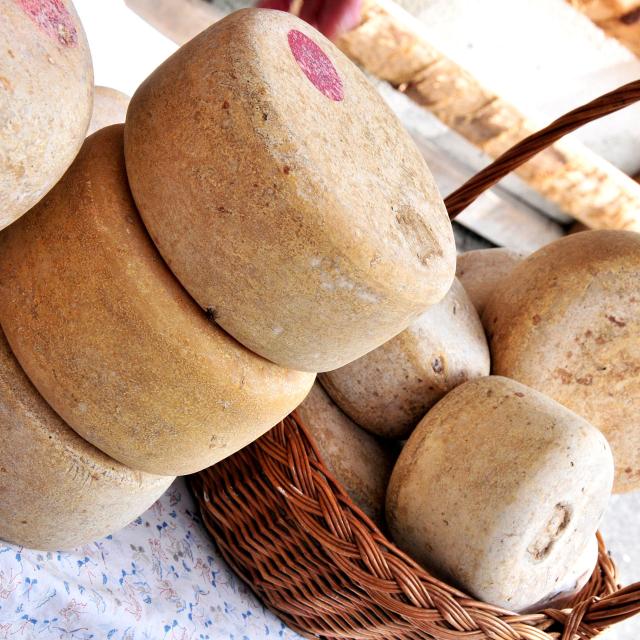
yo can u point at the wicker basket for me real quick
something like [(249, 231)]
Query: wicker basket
[(290, 531)]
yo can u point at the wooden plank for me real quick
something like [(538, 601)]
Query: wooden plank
[(179, 20), (393, 45), (618, 18), (496, 215)]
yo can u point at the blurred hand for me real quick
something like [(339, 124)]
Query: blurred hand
[(331, 17)]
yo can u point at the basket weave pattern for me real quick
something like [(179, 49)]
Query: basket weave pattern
[(290, 531)]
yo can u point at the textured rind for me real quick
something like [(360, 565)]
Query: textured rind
[(311, 227), (113, 342), (359, 461), (481, 489), (58, 491), (109, 107), (481, 271), (566, 322), (46, 91), (389, 390)]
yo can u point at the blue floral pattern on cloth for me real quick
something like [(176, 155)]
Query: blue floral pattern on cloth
[(160, 578)]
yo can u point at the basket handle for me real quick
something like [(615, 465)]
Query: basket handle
[(511, 159)]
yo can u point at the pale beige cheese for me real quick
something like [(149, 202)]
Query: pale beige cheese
[(390, 389), (500, 490), (46, 88), (284, 194), (358, 460)]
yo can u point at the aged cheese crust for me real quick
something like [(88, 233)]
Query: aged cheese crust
[(389, 390), (360, 462), (114, 343), (481, 271), (58, 491), (109, 107), (46, 88), (500, 490), (566, 322), (283, 193)]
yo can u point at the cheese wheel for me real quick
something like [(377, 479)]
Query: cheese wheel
[(46, 87), (283, 193), (566, 322), (390, 389), (113, 342), (359, 461), (500, 490), (481, 271), (57, 490), (109, 107)]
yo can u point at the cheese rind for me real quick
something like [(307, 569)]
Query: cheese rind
[(500, 490), (58, 491), (284, 194), (566, 322), (114, 343), (389, 390), (109, 107), (481, 271), (357, 459), (46, 89)]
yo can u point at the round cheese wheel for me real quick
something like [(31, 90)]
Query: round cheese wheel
[(359, 461), (46, 86), (481, 271), (390, 389), (57, 490), (109, 107), (113, 342), (500, 490), (566, 322), (284, 194)]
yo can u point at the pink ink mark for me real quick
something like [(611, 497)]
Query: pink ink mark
[(53, 18), (316, 65)]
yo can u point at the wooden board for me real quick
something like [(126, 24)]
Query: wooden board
[(618, 18), (393, 45)]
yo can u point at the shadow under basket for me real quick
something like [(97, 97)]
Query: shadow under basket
[(291, 532)]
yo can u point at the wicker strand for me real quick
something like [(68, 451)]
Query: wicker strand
[(620, 98)]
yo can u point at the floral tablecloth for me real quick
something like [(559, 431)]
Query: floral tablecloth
[(160, 578)]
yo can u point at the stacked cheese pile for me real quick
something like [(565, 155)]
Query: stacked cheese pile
[(260, 217)]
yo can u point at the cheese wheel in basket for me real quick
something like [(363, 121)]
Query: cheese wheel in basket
[(114, 343), (500, 490), (109, 107), (360, 462), (46, 88), (58, 491), (567, 322), (284, 194), (482, 270), (390, 389)]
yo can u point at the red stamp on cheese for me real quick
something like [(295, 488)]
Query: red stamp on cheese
[(52, 17), (316, 65)]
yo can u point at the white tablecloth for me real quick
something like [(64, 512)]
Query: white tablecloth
[(160, 578)]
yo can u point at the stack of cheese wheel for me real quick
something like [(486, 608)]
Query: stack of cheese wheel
[(297, 213)]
